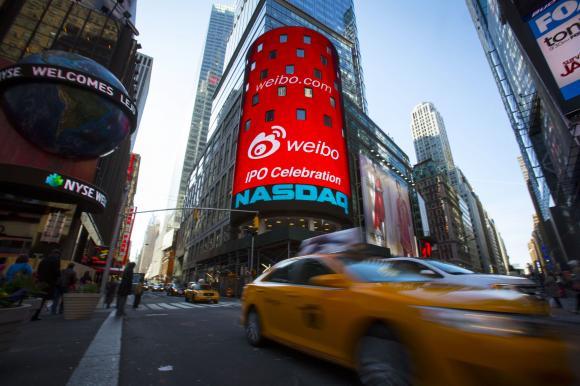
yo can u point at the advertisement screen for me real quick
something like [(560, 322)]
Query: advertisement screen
[(556, 28), (387, 209), (292, 154)]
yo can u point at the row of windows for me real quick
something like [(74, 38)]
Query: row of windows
[(308, 93), (300, 116), (289, 70), (283, 38)]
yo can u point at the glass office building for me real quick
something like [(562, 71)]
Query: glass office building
[(549, 155), (220, 26), (209, 242)]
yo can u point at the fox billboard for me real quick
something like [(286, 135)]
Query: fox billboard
[(292, 154), (549, 33)]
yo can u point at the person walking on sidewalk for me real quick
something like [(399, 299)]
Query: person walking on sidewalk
[(576, 281), (111, 291), (67, 282), (138, 293), (125, 288), (47, 274), (553, 289), (86, 278)]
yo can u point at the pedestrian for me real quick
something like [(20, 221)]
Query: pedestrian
[(554, 289), (125, 288), (47, 274), (67, 282), (111, 289), (138, 293), (19, 268), (86, 278)]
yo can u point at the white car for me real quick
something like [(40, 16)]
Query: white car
[(453, 274)]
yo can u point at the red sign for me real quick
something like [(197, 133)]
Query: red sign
[(291, 144), (126, 236)]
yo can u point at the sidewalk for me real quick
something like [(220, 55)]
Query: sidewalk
[(46, 352)]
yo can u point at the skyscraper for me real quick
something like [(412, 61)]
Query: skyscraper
[(430, 136), (473, 237), (544, 135), (213, 241), (220, 26), (143, 68)]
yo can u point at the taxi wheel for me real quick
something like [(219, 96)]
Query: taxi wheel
[(254, 329), (382, 361)]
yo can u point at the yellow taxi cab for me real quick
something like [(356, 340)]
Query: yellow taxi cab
[(396, 324), (197, 292)]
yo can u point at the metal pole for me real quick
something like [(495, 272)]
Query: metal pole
[(113, 245), (252, 254)]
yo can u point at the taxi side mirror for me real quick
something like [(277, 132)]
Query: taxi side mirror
[(334, 280)]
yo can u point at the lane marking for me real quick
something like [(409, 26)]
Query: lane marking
[(155, 307), (167, 306), (100, 363), (182, 305), (156, 314)]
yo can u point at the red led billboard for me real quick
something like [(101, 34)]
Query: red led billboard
[(292, 151)]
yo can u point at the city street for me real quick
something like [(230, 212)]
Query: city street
[(205, 345), (166, 341)]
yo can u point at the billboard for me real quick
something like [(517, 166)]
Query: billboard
[(549, 32), (387, 209), (292, 155), (556, 29)]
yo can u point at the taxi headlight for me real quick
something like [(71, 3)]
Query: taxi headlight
[(480, 322)]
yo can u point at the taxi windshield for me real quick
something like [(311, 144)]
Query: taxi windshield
[(384, 270), (202, 287)]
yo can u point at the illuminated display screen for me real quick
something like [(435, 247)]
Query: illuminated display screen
[(292, 153)]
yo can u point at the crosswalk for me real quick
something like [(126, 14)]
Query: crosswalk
[(173, 306)]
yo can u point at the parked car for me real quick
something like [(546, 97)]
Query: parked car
[(397, 324)]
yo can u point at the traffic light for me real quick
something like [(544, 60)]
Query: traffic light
[(256, 222), (425, 248)]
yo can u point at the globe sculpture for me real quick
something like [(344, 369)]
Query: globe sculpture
[(63, 119)]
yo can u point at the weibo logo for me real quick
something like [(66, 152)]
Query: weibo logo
[(265, 145)]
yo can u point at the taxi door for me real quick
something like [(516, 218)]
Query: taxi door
[(321, 315), (276, 292)]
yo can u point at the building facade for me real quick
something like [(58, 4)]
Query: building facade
[(549, 151), (429, 136), (106, 36), (220, 27), (146, 255), (142, 78), (210, 241)]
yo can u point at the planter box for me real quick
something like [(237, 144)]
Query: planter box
[(11, 319), (34, 304), (79, 305)]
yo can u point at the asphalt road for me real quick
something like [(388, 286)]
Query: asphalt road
[(164, 344)]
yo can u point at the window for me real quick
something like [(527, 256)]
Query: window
[(263, 74), (300, 52), (281, 90), (283, 38), (388, 271), (286, 273), (269, 115), (289, 69), (301, 114), (273, 54), (308, 92), (253, 66), (332, 102), (307, 39), (309, 269), (247, 125), (327, 121), (323, 60), (255, 99), (260, 46), (317, 73)]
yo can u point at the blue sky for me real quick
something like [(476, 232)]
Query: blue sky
[(412, 51)]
